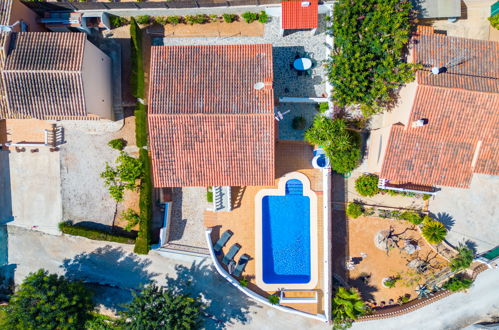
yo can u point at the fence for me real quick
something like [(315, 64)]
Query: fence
[(173, 4)]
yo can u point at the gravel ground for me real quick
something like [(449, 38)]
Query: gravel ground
[(286, 80), (83, 158), (187, 227)]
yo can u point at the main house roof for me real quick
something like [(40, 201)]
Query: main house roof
[(209, 125), (297, 16), (461, 136), (42, 75)]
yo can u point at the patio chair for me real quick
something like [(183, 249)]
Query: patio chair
[(241, 264), (234, 249), (224, 238)]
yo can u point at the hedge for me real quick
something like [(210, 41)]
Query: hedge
[(95, 234), (137, 70), (143, 242)]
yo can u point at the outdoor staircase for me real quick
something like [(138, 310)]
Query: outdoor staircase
[(221, 198), (294, 187)]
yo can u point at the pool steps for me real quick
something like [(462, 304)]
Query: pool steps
[(294, 187)]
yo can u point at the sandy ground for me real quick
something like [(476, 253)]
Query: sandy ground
[(361, 233), (215, 29)]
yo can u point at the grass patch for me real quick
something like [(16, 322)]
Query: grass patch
[(95, 234)]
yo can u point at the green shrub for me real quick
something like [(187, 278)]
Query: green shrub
[(124, 176), (341, 145), (323, 107), (209, 194), (137, 77), (412, 216), (95, 234), (494, 21), (213, 18), (299, 123), (249, 17), (144, 19), (140, 127), (354, 210), (229, 18), (433, 231), (274, 299), (244, 282), (463, 259), (118, 144), (426, 197), (131, 217), (367, 185), (347, 306), (368, 64), (143, 242), (174, 20), (458, 283), (117, 21), (197, 19), (391, 281), (263, 17), (403, 299), (161, 20)]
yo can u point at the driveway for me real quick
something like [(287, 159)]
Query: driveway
[(30, 183), (470, 214)]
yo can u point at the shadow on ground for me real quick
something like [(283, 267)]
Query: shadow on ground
[(225, 305), (445, 218)]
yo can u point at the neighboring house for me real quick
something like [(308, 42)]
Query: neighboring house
[(56, 76), (299, 15), (446, 127), (211, 116)]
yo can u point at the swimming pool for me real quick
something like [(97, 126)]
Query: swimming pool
[(286, 234)]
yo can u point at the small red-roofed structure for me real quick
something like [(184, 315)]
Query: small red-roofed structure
[(300, 15)]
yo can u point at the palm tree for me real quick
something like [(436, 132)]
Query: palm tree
[(347, 306), (434, 231), (463, 259)]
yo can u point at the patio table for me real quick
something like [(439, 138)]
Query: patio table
[(302, 64)]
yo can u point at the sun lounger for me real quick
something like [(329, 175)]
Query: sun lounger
[(222, 241), (234, 249), (241, 264)]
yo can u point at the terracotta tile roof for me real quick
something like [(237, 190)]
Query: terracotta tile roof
[(294, 16), (471, 64), (42, 75), (208, 125), (204, 150), (460, 138), (5, 10)]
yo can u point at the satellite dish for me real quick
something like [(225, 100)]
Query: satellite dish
[(259, 85)]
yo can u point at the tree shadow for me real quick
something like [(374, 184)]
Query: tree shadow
[(225, 305), (445, 218), (471, 245), (111, 271), (365, 288)]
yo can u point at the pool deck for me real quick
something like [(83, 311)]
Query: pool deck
[(291, 156)]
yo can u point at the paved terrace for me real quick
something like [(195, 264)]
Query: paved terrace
[(290, 156)]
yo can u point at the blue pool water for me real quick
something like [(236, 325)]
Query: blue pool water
[(286, 236)]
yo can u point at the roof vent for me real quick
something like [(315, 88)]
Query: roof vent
[(305, 4), (259, 85), (438, 70), (420, 123)]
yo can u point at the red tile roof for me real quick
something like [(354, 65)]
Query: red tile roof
[(295, 16), (42, 75), (208, 125), (442, 152)]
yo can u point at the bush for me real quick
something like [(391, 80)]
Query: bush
[(94, 234), (274, 299), (229, 18), (299, 123), (390, 282), (354, 210), (137, 77), (367, 65), (131, 217), (412, 216), (347, 306), (458, 283), (244, 282), (118, 144), (263, 17), (323, 107), (403, 299), (426, 197), (494, 21), (209, 194), (173, 20), (140, 127), (463, 259), (367, 185), (49, 301), (143, 242), (340, 144), (213, 18), (197, 19), (144, 19), (433, 231), (249, 17), (117, 21), (161, 20)]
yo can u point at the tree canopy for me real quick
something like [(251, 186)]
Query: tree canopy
[(49, 301), (158, 308), (367, 64), (348, 306), (340, 144)]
